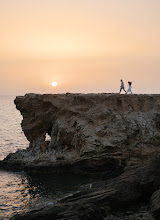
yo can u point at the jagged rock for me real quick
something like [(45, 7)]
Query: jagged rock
[(116, 136), (155, 204), (84, 127), (133, 188)]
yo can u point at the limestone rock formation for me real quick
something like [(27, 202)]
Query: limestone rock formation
[(116, 136), (87, 132)]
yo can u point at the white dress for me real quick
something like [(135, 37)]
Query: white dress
[(129, 89)]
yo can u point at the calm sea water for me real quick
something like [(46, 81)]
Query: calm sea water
[(20, 192), (11, 135)]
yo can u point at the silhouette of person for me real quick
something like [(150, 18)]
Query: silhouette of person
[(130, 88), (122, 86)]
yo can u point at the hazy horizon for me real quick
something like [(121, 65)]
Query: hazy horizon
[(85, 47)]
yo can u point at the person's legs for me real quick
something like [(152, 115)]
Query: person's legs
[(121, 89)]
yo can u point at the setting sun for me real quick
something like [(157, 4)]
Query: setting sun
[(54, 83)]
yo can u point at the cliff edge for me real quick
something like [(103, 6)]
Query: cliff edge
[(88, 132)]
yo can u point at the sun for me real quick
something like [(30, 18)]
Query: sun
[(54, 83)]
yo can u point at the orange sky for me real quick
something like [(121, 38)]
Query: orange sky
[(86, 46)]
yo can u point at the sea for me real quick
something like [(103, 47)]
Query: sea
[(20, 192)]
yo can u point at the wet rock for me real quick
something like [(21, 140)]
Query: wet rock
[(119, 198)]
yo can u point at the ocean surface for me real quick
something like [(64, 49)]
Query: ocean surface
[(20, 192)]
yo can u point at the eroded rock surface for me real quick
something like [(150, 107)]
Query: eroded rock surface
[(155, 203), (116, 136), (126, 197), (87, 132)]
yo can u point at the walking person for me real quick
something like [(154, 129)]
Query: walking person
[(130, 88), (122, 86)]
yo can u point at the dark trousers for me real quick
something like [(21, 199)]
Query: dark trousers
[(121, 89)]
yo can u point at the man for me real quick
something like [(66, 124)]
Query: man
[(122, 86)]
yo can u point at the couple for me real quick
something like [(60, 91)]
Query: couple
[(122, 87)]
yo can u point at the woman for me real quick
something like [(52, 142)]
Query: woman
[(129, 89)]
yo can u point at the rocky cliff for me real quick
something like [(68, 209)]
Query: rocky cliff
[(88, 132), (117, 136)]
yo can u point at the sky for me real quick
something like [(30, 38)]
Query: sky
[(84, 46)]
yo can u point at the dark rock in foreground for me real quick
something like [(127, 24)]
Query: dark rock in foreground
[(155, 203), (133, 189)]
